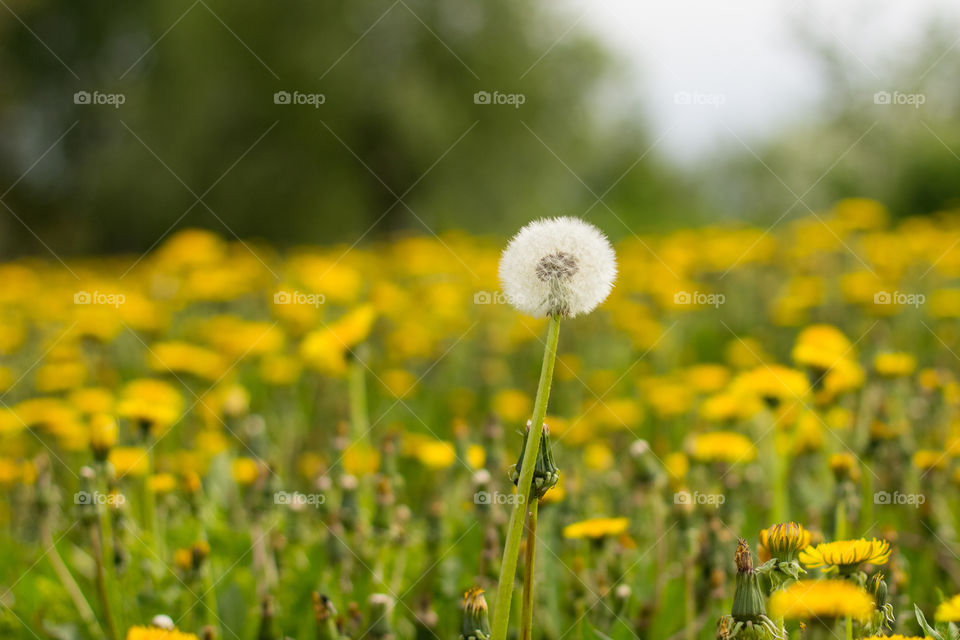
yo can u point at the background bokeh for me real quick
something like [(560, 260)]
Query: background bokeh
[(400, 142)]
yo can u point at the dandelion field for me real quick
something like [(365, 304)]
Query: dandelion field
[(241, 442)]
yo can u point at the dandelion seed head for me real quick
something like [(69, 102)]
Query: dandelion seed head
[(558, 266)]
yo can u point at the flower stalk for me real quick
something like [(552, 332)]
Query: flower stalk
[(508, 564)]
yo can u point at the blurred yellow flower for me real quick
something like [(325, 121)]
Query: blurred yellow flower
[(595, 528), (436, 454), (894, 364), (948, 610), (598, 457), (245, 471), (821, 599), (929, 459), (160, 483), (153, 404), (821, 346), (360, 459), (721, 446), (476, 456), (129, 461), (512, 405), (182, 357)]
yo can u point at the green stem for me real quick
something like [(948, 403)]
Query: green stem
[(526, 610), (840, 515), (508, 564), (849, 634), (70, 585), (106, 610), (359, 420)]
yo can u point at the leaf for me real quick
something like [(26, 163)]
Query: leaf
[(927, 629)]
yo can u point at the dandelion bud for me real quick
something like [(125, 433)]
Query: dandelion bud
[(381, 606), (162, 621), (748, 600), (476, 623), (545, 473), (325, 615), (558, 267)]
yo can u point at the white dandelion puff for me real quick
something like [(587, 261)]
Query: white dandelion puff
[(558, 267)]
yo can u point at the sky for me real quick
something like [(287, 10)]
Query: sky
[(712, 73)]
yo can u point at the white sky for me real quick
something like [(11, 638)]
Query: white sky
[(739, 61)]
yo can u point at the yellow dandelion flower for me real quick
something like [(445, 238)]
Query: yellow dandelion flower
[(929, 459), (677, 465), (476, 456), (129, 461), (398, 382), (948, 610), (821, 346), (595, 528), (598, 457), (279, 370), (721, 446), (775, 384), (784, 540), (103, 434), (182, 357), (708, 378), (152, 404), (90, 400), (360, 459), (512, 405), (824, 599), (156, 633), (245, 471), (437, 455), (844, 465), (160, 483), (846, 555), (894, 364)]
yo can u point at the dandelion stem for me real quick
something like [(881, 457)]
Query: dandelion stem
[(840, 515), (96, 535), (359, 420), (526, 611), (69, 584), (508, 564)]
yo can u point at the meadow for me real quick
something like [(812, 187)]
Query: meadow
[(754, 435)]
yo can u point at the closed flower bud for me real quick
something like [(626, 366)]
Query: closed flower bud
[(545, 473), (476, 622)]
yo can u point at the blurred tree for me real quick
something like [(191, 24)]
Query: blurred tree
[(399, 140), (856, 143)]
